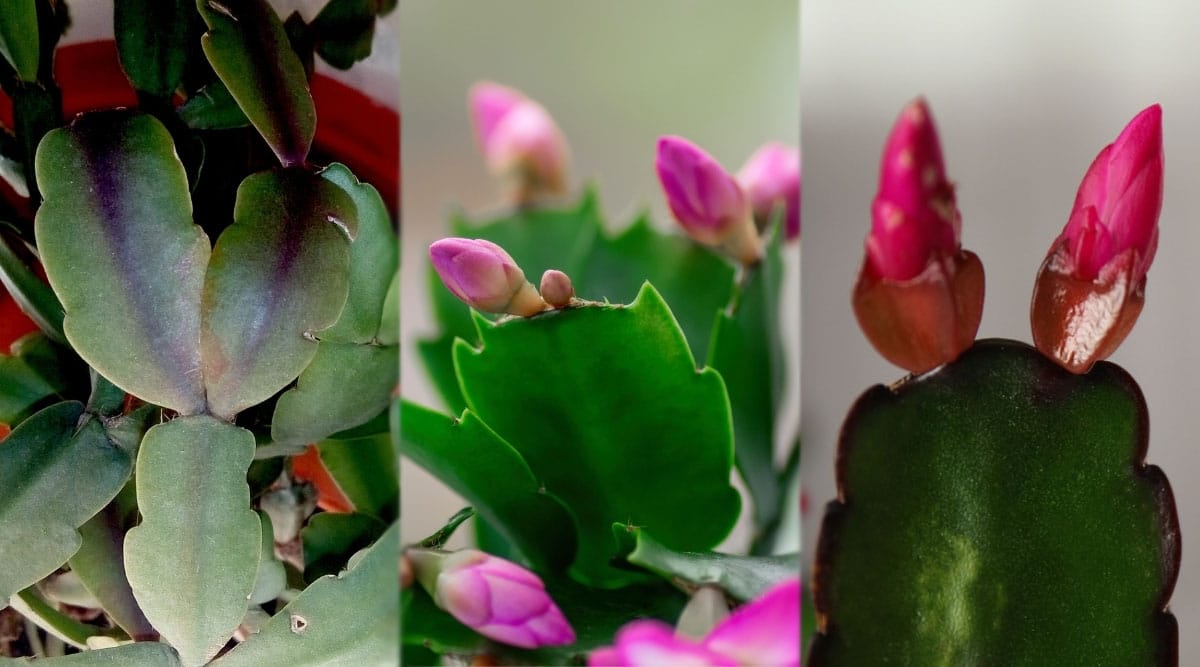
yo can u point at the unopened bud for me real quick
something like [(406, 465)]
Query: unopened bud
[(772, 177), (484, 276), (519, 138), (706, 200), (557, 289)]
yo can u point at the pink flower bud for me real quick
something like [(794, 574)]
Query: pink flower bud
[(772, 176), (518, 137), (706, 200), (1091, 287), (914, 216), (764, 631), (919, 296), (557, 289), (484, 277), (497, 598)]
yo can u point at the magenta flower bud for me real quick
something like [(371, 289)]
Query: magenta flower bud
[(708, 202), (518, 137), (764, 631), (497, 598), (484, 277), (772, 176), (914, 217), (1091, 286), (557, 289), (919, 296)]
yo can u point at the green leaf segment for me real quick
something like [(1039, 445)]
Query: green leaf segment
[(998, 509)]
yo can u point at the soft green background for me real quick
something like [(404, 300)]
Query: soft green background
[(615, 76)]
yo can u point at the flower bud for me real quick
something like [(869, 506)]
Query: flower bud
[(498, 599), (919, 295), (557, 289), (519, 138), (708, 202), (1091, 286), (484, 277), (772, 176)]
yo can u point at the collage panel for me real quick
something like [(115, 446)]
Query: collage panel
[(588, 179), (199, 281), (1017, 500)]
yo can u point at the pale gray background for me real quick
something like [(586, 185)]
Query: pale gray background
[(1025, 94), (615, 75)]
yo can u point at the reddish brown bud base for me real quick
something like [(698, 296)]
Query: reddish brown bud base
[(1079, 322), (925, 321)]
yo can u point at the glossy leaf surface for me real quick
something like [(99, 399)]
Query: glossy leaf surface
[(347, 619), (117, 240), (742, 577), (42, 502), (192, 561), (544, 384), (471, 459), (248, 48), (278, 275), (998, 510)]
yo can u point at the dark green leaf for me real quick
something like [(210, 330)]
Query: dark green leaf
[(19, 37), (121, 252), (467, 456), (742, 577), (344, 30), (330, 538), (42, 501), (998, 510), (192, 562), (365, 470), (545, 385), (747, 351), (37, 370), (35, 297), (278, 275), (151, 42), (350, 619), (37, 109), (695, 281), (249, 50), (213, 108)]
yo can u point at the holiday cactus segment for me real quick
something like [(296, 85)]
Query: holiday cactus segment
[(598, 414), (195, 305), (998, 506)]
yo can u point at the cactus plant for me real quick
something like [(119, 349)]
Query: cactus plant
[(996, 505), (211, 290), (594, 430)]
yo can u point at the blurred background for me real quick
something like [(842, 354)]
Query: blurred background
[(614, 75), (1024, 94)]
